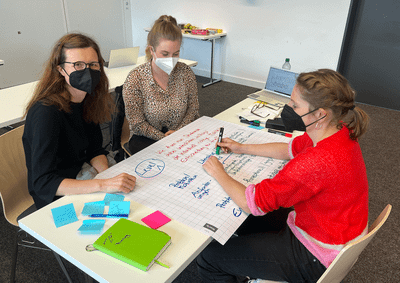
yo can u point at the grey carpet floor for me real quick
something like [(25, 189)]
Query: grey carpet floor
[(378, 263)]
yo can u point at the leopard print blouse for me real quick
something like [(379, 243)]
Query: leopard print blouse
[(149, 108)]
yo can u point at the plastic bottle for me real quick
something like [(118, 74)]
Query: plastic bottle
[(286, 65)]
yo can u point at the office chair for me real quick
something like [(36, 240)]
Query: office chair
[(125, 136), (119, 128), (348, 256), (15, 197)]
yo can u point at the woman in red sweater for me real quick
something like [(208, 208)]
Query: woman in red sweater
[(325, 181)]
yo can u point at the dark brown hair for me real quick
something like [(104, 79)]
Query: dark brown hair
[(328, 89), (165, 27), (52, 89)]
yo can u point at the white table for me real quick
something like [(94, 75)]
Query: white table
[(13, 100), (231, 114), (187, 243)]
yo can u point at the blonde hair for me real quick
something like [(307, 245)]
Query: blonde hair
[(328, 89), (52, 88), (165, 27)]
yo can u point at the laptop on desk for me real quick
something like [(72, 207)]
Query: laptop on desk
[(123, 57), (278, 87)]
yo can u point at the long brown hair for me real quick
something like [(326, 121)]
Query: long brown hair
[(52, 89), (165, 27), (328, 89)]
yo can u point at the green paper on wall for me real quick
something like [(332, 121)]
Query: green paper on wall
[(133, 243)]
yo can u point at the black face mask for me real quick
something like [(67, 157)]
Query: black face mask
[(85, 80), (293, 121)]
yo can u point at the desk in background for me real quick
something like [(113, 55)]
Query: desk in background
[(212, 39), (13, 100)]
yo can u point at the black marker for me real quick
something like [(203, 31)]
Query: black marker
[(253, 123)]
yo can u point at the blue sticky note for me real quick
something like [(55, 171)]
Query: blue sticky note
[(257, 127), (96, 207), (119, 207), (113, 197), (91, 227), (64, 215)]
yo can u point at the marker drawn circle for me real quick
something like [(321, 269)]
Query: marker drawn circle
[(237, 212), (150, 168)]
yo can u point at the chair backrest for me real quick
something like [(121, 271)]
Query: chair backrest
[(117, 121), (348, 256), (14, 192), (125, 136)]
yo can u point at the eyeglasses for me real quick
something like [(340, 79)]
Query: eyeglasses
[(79, 65), (260, 109)]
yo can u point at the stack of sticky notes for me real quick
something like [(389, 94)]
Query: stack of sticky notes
[(119, 209), (112, 197), (92, 227), (156, 219), (96, 207)]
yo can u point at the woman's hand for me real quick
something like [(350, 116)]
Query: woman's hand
[(120, 183), (169, 132), (228, 145), (213, 167)]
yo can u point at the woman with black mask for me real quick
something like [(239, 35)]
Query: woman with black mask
[(62, 133), (324, 180)]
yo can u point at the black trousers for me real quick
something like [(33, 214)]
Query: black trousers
[(271, 255), (137, 143)]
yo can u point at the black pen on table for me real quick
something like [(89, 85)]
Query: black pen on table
[(253, 123), (221, 132)]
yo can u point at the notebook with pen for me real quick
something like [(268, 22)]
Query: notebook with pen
[(133, 243), (278, 87)]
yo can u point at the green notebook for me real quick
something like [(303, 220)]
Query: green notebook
[(133, 243)]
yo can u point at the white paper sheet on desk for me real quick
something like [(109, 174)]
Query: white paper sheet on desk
[(265, 113), (170, 177)]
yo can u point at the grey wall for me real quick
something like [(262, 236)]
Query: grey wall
[(371, 55), (29, 29)]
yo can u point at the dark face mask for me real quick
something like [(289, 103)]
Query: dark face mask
[(293, 121), (85, 80)]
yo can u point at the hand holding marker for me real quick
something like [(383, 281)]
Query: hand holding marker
[(221, 132)]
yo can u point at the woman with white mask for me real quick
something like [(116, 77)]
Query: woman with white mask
[(160, 96)]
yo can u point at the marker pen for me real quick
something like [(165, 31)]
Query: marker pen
[(221, 132), (109, 215), (280, 133)]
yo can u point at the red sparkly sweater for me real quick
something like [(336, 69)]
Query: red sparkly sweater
[(326, 184)]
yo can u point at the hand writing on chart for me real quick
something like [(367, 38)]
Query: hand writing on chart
[(228, 145), (169, 132), (213, 167), (121, 183)]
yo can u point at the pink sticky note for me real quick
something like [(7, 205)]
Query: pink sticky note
[(156, 219)]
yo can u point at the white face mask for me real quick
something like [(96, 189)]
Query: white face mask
[(166, 64)]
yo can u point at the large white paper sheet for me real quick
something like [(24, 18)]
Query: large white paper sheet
[(170, 177)]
